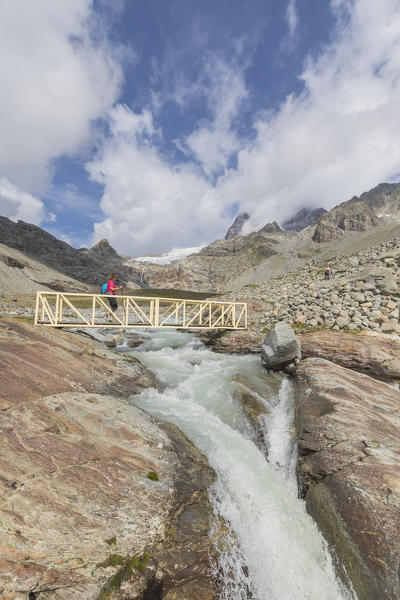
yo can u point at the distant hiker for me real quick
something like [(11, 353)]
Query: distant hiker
[(112, 289), (329, 273)]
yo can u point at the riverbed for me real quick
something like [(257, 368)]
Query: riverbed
[(272, 549)]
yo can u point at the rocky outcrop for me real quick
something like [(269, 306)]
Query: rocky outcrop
[(236, 228), (348, 428), (232, 342), (302, 219), (280, 348), (360, 213), (270, 228), (97, 500), (374, 354), (325, 232), (39, 362), (103, 249)]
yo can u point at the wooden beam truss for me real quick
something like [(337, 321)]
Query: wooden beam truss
[(59, 309)]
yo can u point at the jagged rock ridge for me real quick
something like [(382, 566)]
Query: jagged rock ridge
[(302, 219), (236, 228), (360, 213)]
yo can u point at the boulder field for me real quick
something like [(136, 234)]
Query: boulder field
[(97, 499), (365, 294)]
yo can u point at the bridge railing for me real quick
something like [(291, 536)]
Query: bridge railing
[(59, 309)]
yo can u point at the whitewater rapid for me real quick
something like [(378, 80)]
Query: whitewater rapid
[(273, 549)]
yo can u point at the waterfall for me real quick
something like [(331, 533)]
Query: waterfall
[(272, 550)]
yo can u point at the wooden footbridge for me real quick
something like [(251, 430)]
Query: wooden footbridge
[(58, 309)]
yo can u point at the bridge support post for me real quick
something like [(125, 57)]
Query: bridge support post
[(156, 311)]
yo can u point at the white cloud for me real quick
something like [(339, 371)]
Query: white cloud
[(57, 75), (213, 143), (150, 205), (292, 18), (18, 204), (339, 137)]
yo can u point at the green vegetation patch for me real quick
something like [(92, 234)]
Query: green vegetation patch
[(111, 541), (153, 476), (127, 564), (20, 319)]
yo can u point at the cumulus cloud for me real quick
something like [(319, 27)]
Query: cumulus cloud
[(58, 75), (338, 137), (16, 204), (213, 143), (150, 205)]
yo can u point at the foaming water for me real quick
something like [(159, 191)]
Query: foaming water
[(272, 550)]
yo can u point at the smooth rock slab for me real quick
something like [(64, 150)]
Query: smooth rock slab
[(374, 354), (39, 361), (349, 463), (74, 475), (74, 490)]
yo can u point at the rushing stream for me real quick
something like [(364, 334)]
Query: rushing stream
[(273, 549)]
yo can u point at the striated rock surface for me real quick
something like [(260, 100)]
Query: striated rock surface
[(232, 342), (79, 517), (349, 445), (280, 347), (37, 362), (374, 354)]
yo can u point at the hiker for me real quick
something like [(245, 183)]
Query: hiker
[(112, 289), (329, 273)]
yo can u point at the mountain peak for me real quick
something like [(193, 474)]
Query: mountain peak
[(236, 228), (270, 228), (103, 248), (303, 218)]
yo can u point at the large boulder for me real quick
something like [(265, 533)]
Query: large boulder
[(280, 348), (349, 460), (384, 280)]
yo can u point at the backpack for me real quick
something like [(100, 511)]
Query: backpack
[(104, 288)]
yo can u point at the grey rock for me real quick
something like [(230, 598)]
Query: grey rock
[(342, 321), (280, 348), (236, 228)]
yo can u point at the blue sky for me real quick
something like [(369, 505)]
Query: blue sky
[(153, 124)]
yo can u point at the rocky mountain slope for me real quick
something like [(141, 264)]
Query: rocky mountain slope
[(20, 274), (87, 266), (365, 294), (302, 219), (352, 226)]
